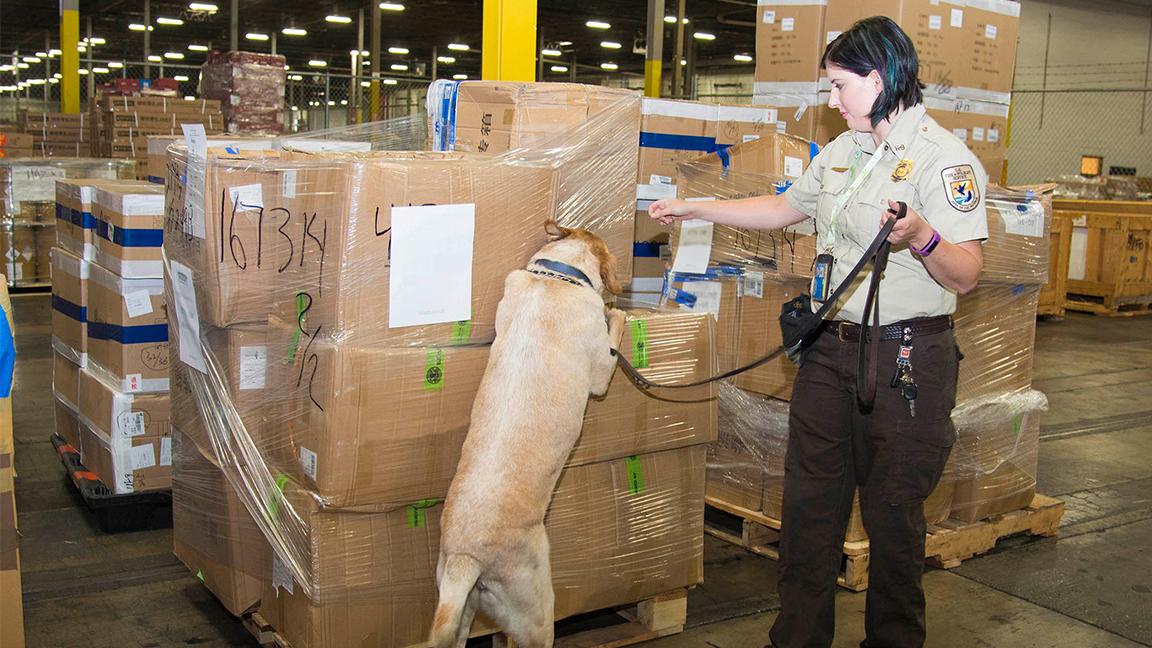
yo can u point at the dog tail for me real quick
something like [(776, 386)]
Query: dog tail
[(459, 577)]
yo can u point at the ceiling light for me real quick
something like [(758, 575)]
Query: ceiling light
[(608, 66), (397, 50), (56, 76), (294, 31), (180, 77), (22, 66), (295, 108), (95, 40), (390, 82), (365, 84), (399, 67), (296, 77), (189, 98), (83, 72), (198, 48), (559, 68), (256, 36), (169, 21), (101, 70), (743, 58), (54, 80), (81, 48), (37, 81), (154, 58), (564, 43), (318, 63), (139, 27), (460, 77), (551, 52), (54, 52), (176, 56), (704, 36), (42, 54), (331, 103), (31, 59), (683, 62), (115, 65), (343, 20), (458, 47), (391, 6), (203, 6), (610, 44), (598, 24), (672, 19), (446, 59)]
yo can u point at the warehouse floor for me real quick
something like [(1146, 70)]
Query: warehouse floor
[(1090, 587)]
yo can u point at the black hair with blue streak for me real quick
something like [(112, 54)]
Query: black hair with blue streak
[(878, 43)]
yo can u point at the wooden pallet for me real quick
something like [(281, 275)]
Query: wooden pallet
[(947, 545), (1112, 307), (659, 616)]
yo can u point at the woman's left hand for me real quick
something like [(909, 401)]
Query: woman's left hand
[(912, 229)]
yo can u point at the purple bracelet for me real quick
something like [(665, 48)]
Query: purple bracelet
[(929, 246)]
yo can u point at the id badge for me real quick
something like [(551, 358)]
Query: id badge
[(822, 277)]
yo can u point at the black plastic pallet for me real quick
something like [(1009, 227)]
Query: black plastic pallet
[(114, 513)]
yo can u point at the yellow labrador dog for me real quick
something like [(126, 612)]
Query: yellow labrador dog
[(552, 350)]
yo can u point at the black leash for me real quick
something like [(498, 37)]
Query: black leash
[(879, 249)]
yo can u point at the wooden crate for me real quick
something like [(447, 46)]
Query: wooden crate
[(1109, 266), (659, 616), (1055, 292), (947, 545)]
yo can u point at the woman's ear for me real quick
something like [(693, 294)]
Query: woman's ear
[(877, 81)]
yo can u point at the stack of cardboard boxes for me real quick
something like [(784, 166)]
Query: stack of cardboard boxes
[(28, 212), (250, 87), (110, 332), (16, 145), (307, 412), (12, 611), (62, 135), (966, 49), (122, 124)]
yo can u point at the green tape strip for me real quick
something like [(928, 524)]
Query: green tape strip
[(301, 300), (461, 331), (1017, 422), (635, 475), (639, 343), (200, 575), (272, 506), (434, 370), (416, 515)]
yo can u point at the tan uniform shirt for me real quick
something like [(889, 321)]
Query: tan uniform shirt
[(923, 165)]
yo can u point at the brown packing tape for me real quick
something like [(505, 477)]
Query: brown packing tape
[(9, 536)]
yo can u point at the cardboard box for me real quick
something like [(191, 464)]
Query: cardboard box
[(361, 419), (75, 204), (801, 113), (994, 28), (12, 612), (981, 125), (588, 132), (128, 330), (18, 245), (68, 424), (70, 276), (157, 167), (128, 464), (213, 534), (118, 415), (790, 41), (996, 331), (996, 453), (130, 230), (610, 546), (1018, 248), (66, 380)]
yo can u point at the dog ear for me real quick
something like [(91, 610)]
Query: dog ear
[(607, 267), (554, 231)]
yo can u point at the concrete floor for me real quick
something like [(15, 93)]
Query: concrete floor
[(1090, 587)]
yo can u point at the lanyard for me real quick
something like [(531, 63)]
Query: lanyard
[(846, 194)]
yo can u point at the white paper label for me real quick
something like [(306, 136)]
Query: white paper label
[(707, 295), (990, 32), (143, 456), (138, 303), (17, 272), (961, 133), (935, 22), (831, 36), (957, 18), (749, 138), (431, 275), (289, 182), (308, 462), (34, 182), (752, 284), (787, 24), (993, 135), (660, 179), (977, 134), (793, 167), (694, 247), (248, 197), (800, 110), (188, 317), (253, 362), (135, 382), (782, 127), (769, 17), (166, 451), (281, 575), (1029, 222), (135, 424), (1078, 252), (197, 143)]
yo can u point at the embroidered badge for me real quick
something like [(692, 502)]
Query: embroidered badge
[(902, 171), (960, 187)]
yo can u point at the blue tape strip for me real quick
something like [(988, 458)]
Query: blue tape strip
[(137, 237), (681, 297), (72, 310), (63, 213), (700, 143), (813, 150), (725, 159), (712, 272), (156, 180), (144, 334), (7, 356), (445, 136), (645, 250)]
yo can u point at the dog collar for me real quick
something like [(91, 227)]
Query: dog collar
[(561, 271)]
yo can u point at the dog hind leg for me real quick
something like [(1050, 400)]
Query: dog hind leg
[(523, 605)]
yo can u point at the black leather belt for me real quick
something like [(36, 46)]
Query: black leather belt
[(850, 331)]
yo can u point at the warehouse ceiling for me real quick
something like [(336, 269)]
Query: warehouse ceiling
[(421, 26)]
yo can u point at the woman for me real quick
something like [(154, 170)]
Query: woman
[(894, 450)]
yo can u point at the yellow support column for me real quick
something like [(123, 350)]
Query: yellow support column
[(509, 47), (654, 56), (69, 56)]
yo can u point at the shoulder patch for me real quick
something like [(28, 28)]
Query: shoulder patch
[(960, 187)]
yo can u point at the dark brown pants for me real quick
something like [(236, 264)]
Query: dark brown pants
[(895, 459)]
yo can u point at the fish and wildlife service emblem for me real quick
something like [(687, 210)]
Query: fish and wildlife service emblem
[(960, 187), (902, 171)]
